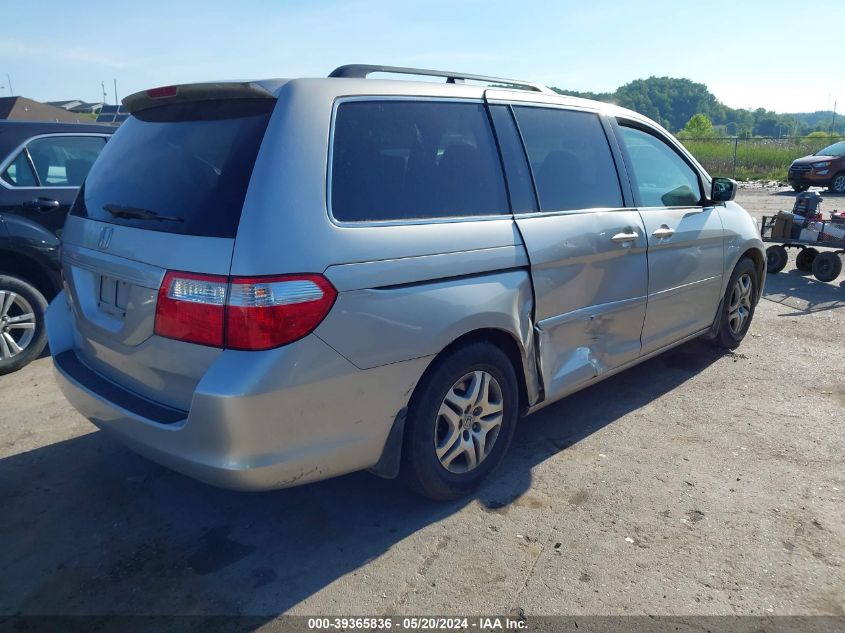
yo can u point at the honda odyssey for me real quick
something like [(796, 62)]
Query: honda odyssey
[(274, 282)]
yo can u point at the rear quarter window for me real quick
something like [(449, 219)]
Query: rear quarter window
[(406, 160)]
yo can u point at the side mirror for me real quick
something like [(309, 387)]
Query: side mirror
[(722, 190)]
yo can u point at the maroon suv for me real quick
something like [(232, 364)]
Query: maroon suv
[(824, 168)]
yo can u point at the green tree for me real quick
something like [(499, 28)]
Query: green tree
[(821, 134), (699, 126), (672, 102)]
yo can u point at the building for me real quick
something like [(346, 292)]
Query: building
[(23, 109)]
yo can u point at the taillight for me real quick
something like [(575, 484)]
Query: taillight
[(192, 308), (266, 312), (246, 313)]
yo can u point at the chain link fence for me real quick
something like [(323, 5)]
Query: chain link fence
[(758, 158)]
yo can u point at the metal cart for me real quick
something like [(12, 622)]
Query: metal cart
[(826, 265)]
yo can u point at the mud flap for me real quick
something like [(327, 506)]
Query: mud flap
[(713, 332), (391, 455)]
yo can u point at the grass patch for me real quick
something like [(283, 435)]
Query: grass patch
[(756, 158)]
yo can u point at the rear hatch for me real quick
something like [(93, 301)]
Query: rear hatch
[(166, 194)]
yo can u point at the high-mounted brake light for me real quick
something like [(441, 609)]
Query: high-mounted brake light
[(246, 313), (163, 92)]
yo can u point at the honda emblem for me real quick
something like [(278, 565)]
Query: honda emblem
[(105, 237)]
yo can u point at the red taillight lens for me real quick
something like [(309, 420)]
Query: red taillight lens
[(247, 313), (267, 312), (192, 308)]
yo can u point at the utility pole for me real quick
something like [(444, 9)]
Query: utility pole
[(833, 120), (116, 102), (736, 142), (11, 91), (103, 86)]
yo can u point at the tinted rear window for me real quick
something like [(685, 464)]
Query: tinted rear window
[(190, 163), (570, 157), (398, 160)]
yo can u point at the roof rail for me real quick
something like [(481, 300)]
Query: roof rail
[(361, 71)]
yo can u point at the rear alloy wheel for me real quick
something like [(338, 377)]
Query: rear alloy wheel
[(837, 185), (804, 260), (460, 422), (468, 422), (776, 258), (22, 332), (827, 266), (738, 305)]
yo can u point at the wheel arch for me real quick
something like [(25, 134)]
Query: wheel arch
[(759, 260), (502, 339), (30, 270), (389, 463)]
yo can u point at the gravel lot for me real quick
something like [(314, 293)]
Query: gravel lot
[(699, 483)]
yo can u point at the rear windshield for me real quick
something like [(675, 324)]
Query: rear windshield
[(182, 168)]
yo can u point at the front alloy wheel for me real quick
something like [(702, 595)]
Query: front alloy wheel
[(739, 306), (837, 185), (469, 422), (17, 324), (22, 332)]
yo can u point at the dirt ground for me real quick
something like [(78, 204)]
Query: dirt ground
[(701, 482)]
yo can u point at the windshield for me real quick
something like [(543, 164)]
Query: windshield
[(181, 168), (837, 149)]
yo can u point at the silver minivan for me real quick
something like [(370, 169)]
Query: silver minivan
[(273, 282)]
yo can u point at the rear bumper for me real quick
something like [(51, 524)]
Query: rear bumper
[(258, 420)]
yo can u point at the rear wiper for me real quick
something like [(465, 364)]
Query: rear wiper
[(137, 213)]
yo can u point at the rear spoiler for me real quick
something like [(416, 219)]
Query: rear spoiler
[(166, 95)]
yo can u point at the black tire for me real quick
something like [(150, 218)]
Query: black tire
[(776, 258), (804, 260), (422, 470), (9, 360), (800, 188), (827, 266), (837, 183), (727, 336)]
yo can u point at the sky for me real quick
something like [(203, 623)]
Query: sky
[(749, 53)]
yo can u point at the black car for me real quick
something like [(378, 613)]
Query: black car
[(42, 166)]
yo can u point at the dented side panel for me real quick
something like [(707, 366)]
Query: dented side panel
[(590, 292)]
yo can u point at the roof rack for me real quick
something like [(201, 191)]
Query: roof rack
[(361, 71)]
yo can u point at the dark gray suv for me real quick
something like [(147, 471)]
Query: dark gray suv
[(42, 166)]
